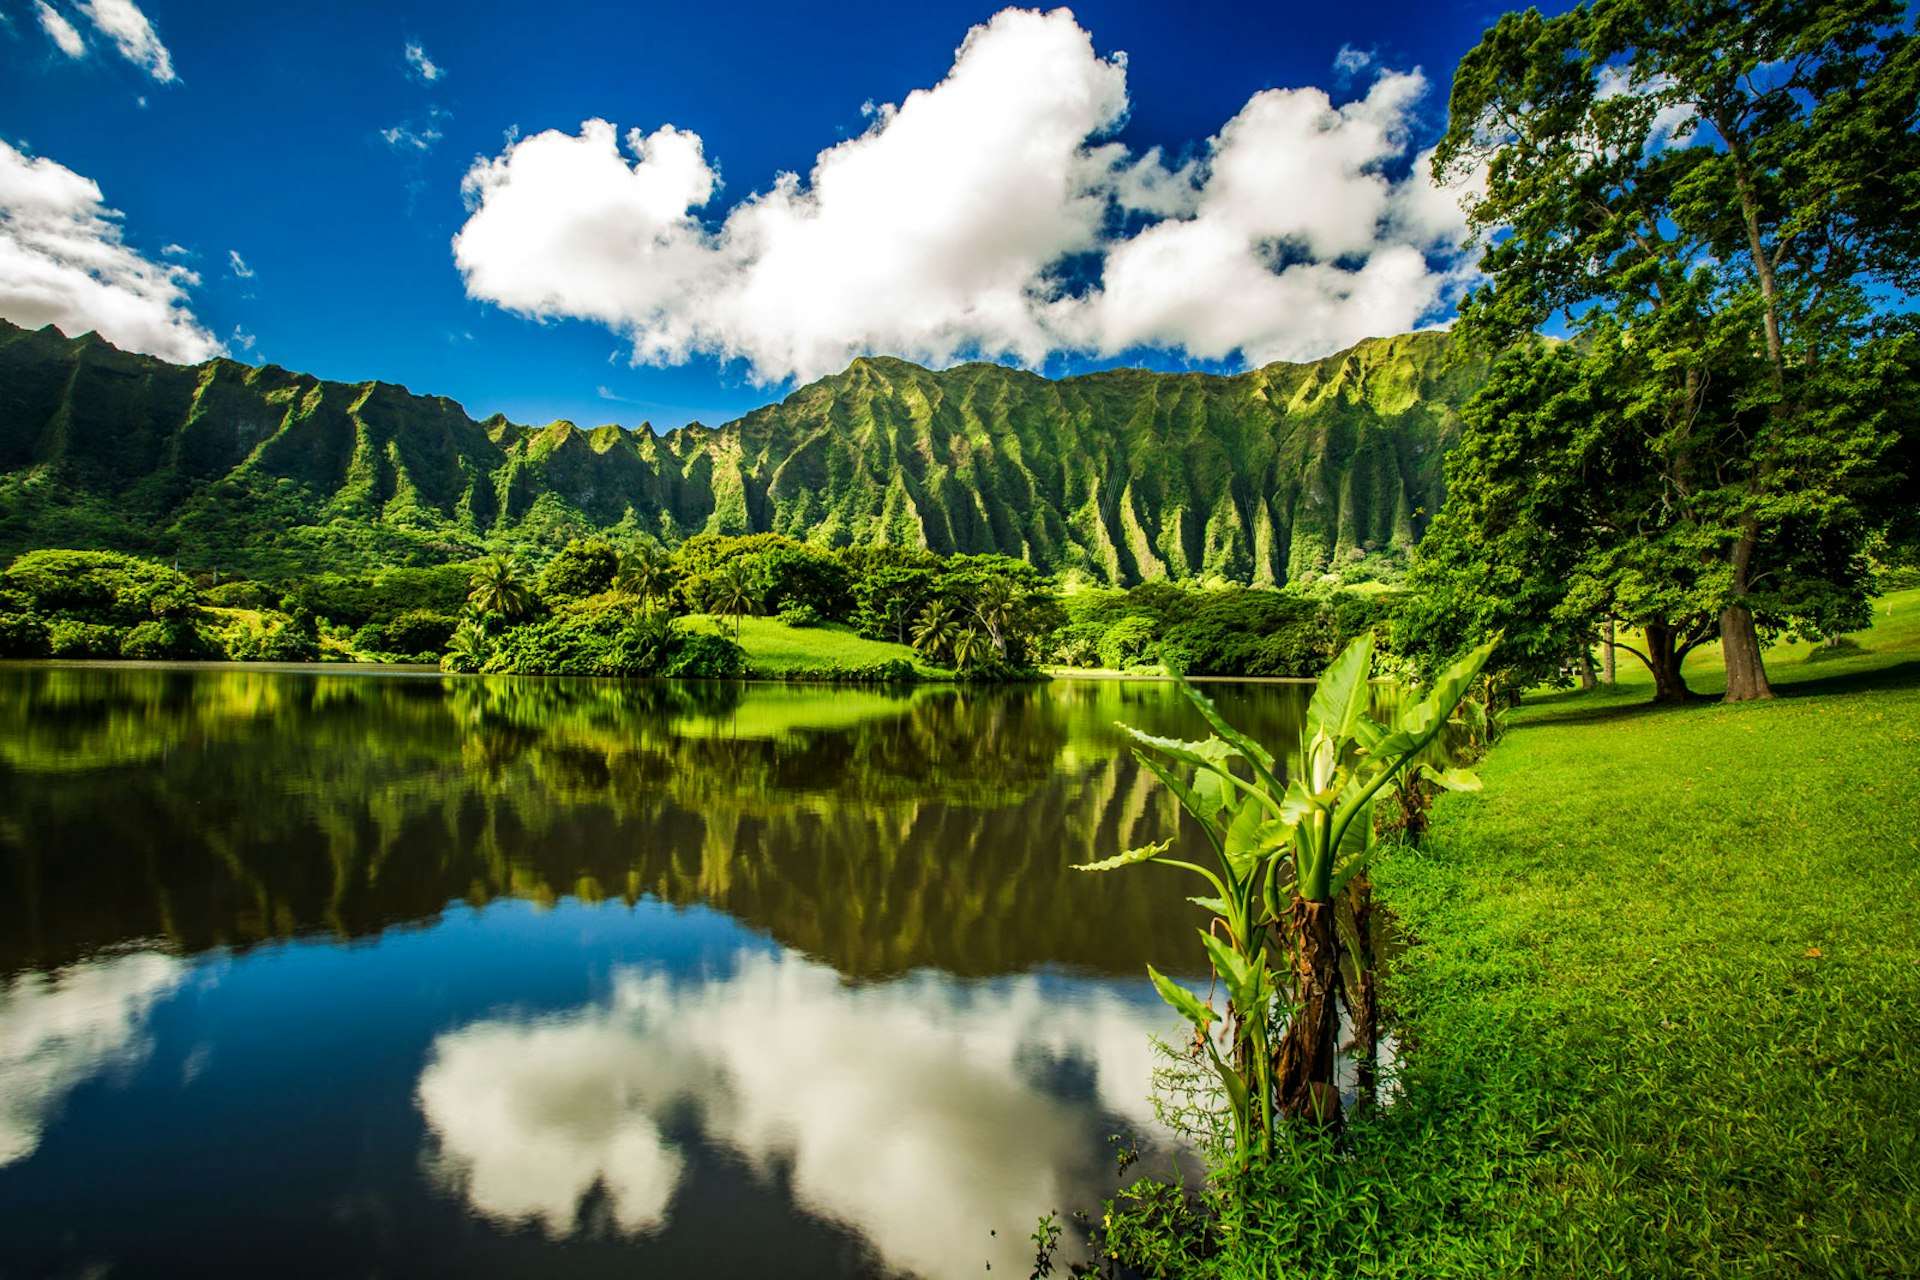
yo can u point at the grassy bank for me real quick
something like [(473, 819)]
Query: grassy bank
[(1662, 999), (830, 651)]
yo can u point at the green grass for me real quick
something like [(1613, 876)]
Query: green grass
[(1662, 1000), (776, 651)]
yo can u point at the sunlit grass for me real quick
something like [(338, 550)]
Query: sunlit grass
[(777, 650), (1662, 998)]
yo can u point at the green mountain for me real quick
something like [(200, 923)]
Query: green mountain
[(1121, 476)]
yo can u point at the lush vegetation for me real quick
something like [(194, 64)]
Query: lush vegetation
[(1291, 473), (1667, 1036), (1721, 199)]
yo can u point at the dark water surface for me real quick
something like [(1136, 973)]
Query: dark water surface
[(310, 974)]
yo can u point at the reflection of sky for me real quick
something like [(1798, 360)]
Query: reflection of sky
[(921, 1113), (58, 1030)]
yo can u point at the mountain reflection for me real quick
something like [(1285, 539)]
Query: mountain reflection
[(58, 1030), (876, 831), (923, 1113)]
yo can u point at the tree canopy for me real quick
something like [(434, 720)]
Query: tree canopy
[(1717, 199)]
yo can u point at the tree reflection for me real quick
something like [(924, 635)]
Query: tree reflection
[(877, 831)]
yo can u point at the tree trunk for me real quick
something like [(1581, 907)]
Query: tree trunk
[(1607, 654), (1739, 642), (1587, 679), (1668, 684), (1303, 1063)]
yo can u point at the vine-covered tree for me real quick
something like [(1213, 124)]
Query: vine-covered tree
[(1718, 196)]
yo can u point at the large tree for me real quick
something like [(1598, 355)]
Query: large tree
[(1717, 196)]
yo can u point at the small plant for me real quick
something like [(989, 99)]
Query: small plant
[(1046, 1239), (1284, 853)]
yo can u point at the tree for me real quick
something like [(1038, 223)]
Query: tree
[(935, 630), (1713, 193), (500, 589), (732, 592), (644, 574)]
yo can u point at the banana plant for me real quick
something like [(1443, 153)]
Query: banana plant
[(1284, 849)]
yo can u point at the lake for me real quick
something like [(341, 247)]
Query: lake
[(335, 973)]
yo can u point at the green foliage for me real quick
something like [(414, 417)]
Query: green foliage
[(581, 569), (587, 640), (96, 587), (500, 590), (1722, 198), (702, 656), (24, 635), (415, 633), (1302, 839)]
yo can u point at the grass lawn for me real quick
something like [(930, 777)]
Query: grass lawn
[(776, 651), (1661, 998)]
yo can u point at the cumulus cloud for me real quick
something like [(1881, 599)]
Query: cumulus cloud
[(64, 261), (57, 1030), (122, 22), (787, 1066), (420, 66), (59, 30), (961, 222)]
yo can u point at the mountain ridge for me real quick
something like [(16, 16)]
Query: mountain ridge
[(1117, 476)]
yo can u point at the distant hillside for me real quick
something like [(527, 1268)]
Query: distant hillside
[(1122, 476)]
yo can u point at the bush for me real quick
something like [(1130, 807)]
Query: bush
[(608, 640), (23, 635), (284, 643), (67, 638), (161, 639), (96, 587), (706, 657), (800, 615), (417, 631)]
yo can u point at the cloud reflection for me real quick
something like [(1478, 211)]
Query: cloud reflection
[(59, 1029), (921, 1112)]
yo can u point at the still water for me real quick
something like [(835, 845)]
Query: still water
[(325, 974)]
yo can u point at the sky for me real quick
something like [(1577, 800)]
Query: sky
[(658, 213)]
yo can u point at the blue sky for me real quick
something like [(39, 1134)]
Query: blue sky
[(1113, 186)]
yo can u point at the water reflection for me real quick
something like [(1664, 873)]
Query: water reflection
[(922, 1113), (60, 1029), (877, 832), (702, 978)]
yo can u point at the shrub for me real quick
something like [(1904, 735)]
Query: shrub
[(97, 587), (23, 635), (67, 638), (706, 657), (163, 638), (417, 631), (800, 615)]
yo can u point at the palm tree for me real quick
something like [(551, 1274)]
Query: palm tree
[(467, 648), (971, 645), (733, 593), (933, 632), (993, 605), (642, 575), (499, 587)]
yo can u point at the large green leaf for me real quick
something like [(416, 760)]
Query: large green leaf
[(1182, 999), (1145, 853), (1341, 696)]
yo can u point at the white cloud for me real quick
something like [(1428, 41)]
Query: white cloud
[(238, 265), (64, 261), (1352, 61), (59, 30), (60, 1029), (122, 22), (416, 137), (786, 1065), (946, 230), (420, 66)]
